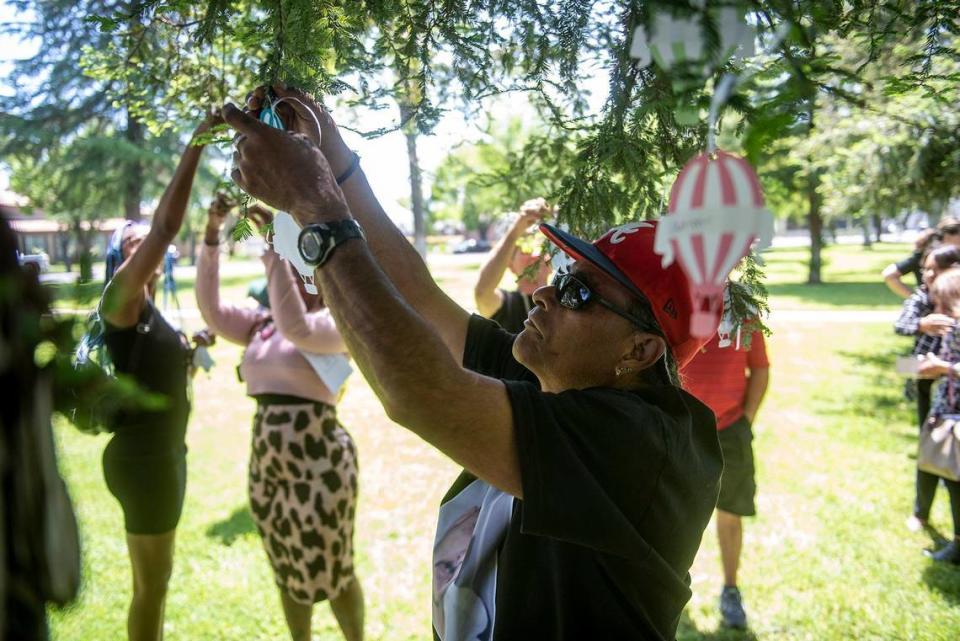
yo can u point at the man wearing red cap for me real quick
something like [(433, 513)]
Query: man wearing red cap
[(732, 381), (589, 475)]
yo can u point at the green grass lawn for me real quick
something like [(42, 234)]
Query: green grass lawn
[(827, 558), (851, 272)]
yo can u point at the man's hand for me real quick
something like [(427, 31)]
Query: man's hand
[(297, 113), (285, 170), (936, 324)]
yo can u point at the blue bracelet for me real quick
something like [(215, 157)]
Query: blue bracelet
[(349, 170)]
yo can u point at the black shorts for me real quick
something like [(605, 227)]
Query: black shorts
[(149, 487), (738, 487)]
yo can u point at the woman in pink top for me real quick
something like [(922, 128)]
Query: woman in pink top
[(303, 463)]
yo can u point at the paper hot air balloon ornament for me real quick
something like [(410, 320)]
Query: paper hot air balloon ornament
[(716, 213)]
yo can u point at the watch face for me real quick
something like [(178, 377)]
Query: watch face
[(310, 246)]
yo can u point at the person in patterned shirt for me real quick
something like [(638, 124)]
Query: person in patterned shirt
[(945, 294), (918, 319)]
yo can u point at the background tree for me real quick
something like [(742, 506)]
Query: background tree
[(54, 101), (478, 182), (629, 149)]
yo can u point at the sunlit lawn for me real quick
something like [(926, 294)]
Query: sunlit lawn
[(851, 272), (827, 557)]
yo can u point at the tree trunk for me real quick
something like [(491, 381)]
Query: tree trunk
[(65, 248), (878, 226), (416, 183), (814, 219), (867, 242), (84, 256), (133, 194)]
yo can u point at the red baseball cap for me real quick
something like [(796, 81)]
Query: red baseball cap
[(626, 254)]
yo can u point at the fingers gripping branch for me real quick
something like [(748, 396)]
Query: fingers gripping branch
[(283, 169)]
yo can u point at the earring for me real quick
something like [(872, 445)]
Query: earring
[(623, 370)]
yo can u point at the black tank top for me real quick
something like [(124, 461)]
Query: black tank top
[(154, 355)]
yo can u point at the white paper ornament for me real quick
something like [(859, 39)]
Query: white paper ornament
[(674, 40), (560, 262), (671, 40), (715, 215), (286, 232), (333, 369)]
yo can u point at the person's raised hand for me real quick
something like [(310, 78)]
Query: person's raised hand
[(261, 217), (297, 113), (936, 324), (217, 212), (219, 208), (210, 120), (285, 170), (204, 338), (532, 212)]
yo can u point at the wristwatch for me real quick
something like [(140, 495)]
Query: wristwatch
[(317, 242)]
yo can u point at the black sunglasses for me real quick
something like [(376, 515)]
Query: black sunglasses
[(573, 293)]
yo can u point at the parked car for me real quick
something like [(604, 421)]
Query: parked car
[(472, 246), (39, 262)]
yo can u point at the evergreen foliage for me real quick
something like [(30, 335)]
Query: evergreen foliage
[(430, 55)]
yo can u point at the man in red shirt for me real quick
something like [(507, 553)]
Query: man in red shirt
[(732, 383)]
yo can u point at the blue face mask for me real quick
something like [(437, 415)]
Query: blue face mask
[(270, 117)]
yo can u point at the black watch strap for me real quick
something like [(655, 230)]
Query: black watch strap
[(322, 238)]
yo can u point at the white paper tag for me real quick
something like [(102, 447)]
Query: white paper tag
[(286, 233), (333, 369), (202, 359)]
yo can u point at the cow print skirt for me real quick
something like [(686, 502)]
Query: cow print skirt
[(303, 495)]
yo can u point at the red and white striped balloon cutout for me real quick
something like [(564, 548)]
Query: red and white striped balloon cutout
[(716, 212)]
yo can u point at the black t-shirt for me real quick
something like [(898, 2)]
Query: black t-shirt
[(618, 488), (513, 310), (911, 265)]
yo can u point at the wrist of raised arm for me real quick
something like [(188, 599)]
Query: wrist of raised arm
[(338, 154)]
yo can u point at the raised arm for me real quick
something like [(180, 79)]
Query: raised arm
[(230, 321), (486, 293), (891, 276), (124, 295), (397, 257), (419, 381), (310, 331)]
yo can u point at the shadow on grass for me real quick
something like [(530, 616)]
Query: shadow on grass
[(945, 579), (82, 293), (850, 294), (688, 631), (883, 394), (237, 525)]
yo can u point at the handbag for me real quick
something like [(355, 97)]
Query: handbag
[(940, 446), (939, 450)]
